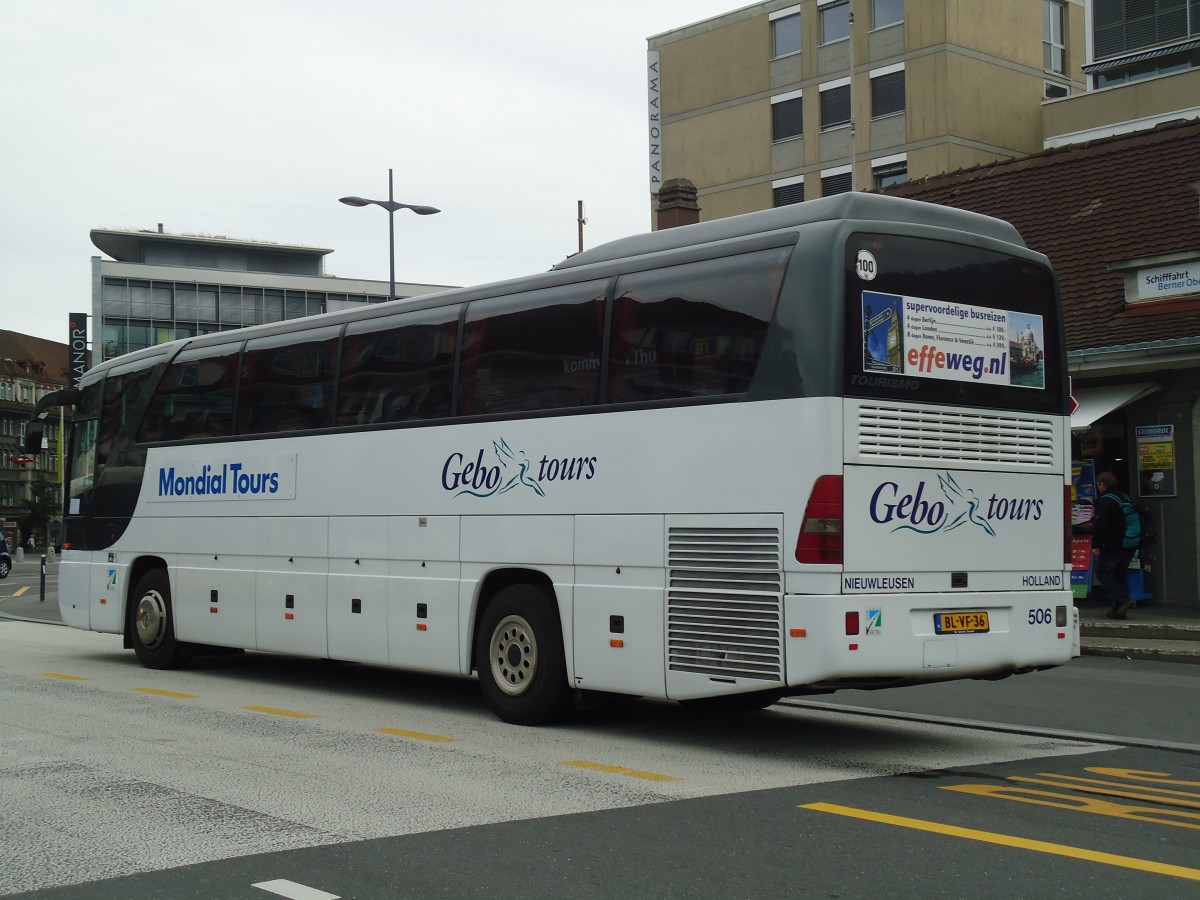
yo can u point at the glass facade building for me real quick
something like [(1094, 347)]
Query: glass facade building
[(158, 287)]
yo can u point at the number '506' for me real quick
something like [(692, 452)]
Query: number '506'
[(1040, 617)]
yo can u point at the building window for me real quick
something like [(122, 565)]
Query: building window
[(886, 12), (836, 181), (785, 31), (787, 116), (1054, 48), (1054, 90), (835, 21), (889, 171), (1120, 27), (887, 92), (1166, 64), (835, 105), (788, 191)]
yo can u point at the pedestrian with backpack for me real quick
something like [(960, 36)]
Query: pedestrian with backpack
[(1115, 539)]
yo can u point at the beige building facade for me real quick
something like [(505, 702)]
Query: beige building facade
[(784, 101)]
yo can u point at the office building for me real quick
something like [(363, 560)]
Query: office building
[(157, 287), (783, 101), (1142, 69)]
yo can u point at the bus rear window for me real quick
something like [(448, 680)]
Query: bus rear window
[(947, 323)]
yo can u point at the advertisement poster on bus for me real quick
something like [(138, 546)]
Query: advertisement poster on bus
[(952, 341)]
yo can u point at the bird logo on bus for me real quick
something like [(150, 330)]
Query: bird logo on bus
[(959, 506), (508, 469)]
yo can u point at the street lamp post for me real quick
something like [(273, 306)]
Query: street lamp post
[(391, 206)]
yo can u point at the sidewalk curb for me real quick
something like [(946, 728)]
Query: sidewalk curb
[(1155, 654), (15, 618)]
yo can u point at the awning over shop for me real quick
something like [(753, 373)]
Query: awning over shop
[(1097, 402)]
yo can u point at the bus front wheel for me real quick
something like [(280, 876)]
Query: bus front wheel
[(520, 659), (152, 624)]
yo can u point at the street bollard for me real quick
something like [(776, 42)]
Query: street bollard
[(42, 598)]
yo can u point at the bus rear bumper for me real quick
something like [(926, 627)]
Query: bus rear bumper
[(880, 640)]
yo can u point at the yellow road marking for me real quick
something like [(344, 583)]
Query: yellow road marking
[(1112, 788), (159, 692), (61, 676), (1007, 840), (1157, 814), (418, 735), (1141, 775), (618, 770), (280, 712), (20, 591)]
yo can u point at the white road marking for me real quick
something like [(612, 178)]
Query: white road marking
[(294, 891)]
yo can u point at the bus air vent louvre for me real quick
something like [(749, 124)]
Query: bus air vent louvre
[(945, 438), (725, 602)]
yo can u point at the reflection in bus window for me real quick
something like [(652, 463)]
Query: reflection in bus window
[(194, 398), (121, 395), (287, 386), (693, 330), (401, 373), (538, 350), (82, 460)]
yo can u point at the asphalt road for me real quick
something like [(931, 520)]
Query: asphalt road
[(263, 776)]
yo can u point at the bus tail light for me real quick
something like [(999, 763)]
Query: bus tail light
[(852, 625), (820, 538), (1067, 525)]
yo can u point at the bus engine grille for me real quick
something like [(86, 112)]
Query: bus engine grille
[(939, 437), (724, 602)]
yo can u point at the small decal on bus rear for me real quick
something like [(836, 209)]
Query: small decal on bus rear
[(874, 621)]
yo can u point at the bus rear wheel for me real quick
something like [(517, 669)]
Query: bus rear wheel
[(152, 623), (520, 659)]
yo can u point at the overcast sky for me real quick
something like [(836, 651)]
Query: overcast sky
[(249, 118)]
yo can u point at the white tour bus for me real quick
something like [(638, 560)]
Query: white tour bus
[(816, 447)]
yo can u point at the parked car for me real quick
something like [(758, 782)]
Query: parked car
[(5, 559)]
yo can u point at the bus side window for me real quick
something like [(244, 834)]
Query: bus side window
[(400, 373), (692, 330), (532, 351), (287, 386), (194, 398)]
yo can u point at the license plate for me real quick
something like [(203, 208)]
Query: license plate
[(960, 622)]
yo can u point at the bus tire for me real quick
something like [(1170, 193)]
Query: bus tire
[(152, 623), (520, 659)]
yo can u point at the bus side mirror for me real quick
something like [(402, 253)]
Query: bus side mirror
[(35, 432)]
